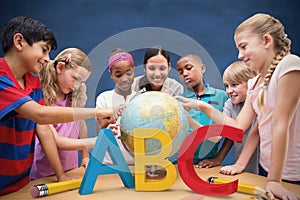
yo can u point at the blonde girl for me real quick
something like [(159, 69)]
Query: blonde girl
[(273, 96), (63, 82)]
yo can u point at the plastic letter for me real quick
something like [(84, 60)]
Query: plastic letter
[(142, 160), (185, 159), (105, 142)]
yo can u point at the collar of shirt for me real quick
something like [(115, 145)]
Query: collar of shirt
[(191, 94)]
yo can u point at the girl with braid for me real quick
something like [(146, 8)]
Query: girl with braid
[(274, 96)]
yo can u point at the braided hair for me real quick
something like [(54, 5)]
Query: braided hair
[(265, 24)]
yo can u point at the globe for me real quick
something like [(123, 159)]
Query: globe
[(154, 110)]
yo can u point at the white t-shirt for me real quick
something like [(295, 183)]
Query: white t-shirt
[(112, 99), (291, 170)]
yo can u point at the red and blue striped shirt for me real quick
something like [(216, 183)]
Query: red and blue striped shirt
[(17, 133)]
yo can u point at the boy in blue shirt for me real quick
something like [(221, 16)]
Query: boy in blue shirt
[(190, 69)]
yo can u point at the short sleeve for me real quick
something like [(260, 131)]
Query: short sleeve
[(11, 96)]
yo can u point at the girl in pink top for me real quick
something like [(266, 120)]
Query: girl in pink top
[(63, 82), (273, 96)]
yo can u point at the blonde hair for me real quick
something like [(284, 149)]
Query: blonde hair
[(72, 57), (79, 96), (238, 72), (261, 24)]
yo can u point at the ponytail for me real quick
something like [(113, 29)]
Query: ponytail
[(49, 83)]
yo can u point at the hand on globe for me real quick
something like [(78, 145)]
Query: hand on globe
[(114, 128), (118, 110), (188, 104)]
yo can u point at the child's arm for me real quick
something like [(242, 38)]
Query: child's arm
[(102, 123), (248, 150), (105, 123), (83, 133), (47, 140), (192, 123), (64, 143), (195, 125), (287, 100), (55, 114), (218, 159), (243, 120)]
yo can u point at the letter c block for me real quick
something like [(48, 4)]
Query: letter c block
[(186, 154)]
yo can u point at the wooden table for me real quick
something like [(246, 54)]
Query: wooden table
[(111, 187)]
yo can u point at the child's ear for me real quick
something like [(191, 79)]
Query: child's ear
[(59, 67), (110, 73), (203, 68), (268, 40), (18, 41)]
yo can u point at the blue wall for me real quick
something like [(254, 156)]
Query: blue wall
[(209, 23)]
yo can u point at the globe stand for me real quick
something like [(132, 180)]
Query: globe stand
[(151, 172), (155, 172)]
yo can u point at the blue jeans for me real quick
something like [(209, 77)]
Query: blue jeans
[(263, 172)]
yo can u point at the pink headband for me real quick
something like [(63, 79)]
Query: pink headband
[(118, 57)]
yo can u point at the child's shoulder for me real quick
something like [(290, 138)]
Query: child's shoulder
[(4, 68), (104, 98), (290, 60), (252, 82), (106, 93), (289, 63), (7, 77), (292, 56)]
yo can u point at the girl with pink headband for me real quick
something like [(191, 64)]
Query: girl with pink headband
[(118, 57), (121, 70)]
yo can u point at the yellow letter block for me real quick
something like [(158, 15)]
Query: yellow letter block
[(142, 160)]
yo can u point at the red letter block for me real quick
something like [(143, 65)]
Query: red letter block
[(186, 154)]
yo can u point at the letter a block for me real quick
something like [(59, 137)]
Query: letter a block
[(106, 142)]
